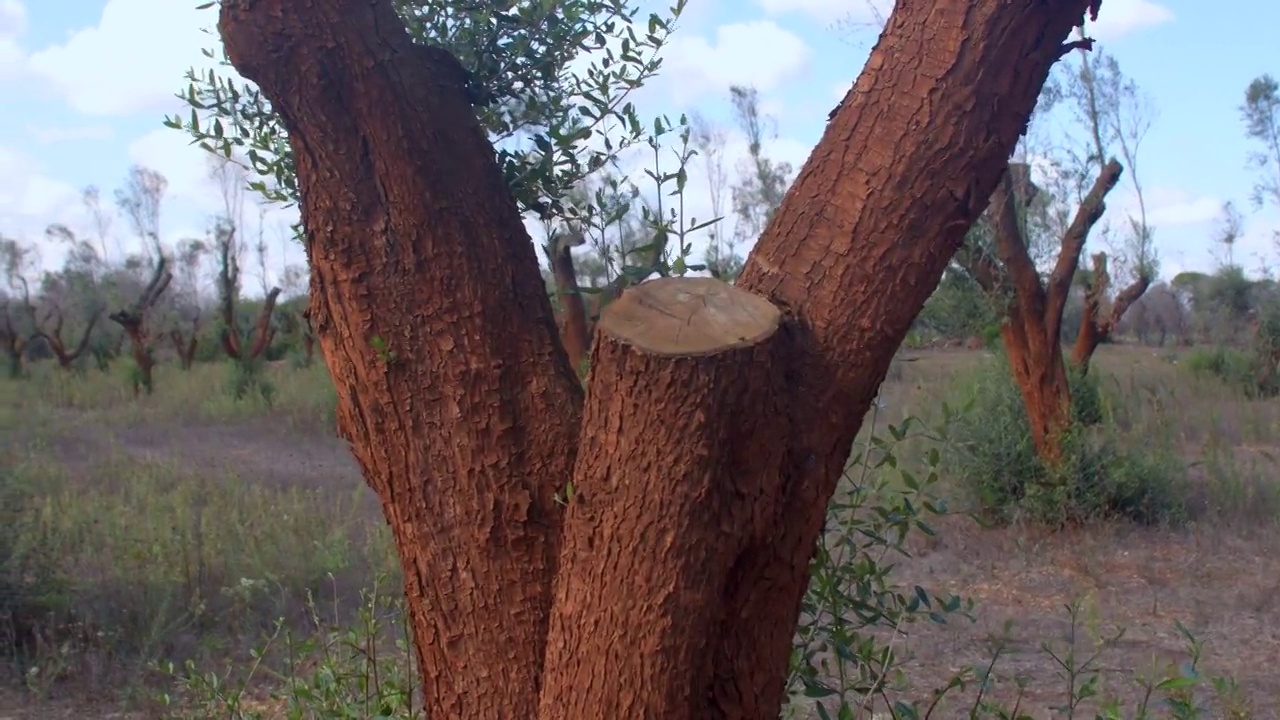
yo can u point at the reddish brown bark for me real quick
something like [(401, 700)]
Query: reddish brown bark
[(133, 320), (1033, 319), (579, 310), (52, 335), (262, 334), (15, 341), (1099, 322), (671, 533), (465, 418), (575, 330)]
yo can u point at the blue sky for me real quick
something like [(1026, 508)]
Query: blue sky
[(86, 82)]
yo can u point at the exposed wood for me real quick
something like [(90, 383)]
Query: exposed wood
[(678, 476), (133, 319), (861, 241), (53, 336)]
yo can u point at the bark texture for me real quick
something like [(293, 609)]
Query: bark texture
[(861, 241), (133, 319), (51, 330), (462, 408), (677, 479), (458, 400)]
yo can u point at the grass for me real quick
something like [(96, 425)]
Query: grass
[(226, 553)]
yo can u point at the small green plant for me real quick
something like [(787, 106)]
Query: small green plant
[(247, 376), (1100, 477), (840, 662)]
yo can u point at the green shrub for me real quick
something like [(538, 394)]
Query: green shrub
[(1233, 367), (996, 464)]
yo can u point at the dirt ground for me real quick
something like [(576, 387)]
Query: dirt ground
[(1221, 582)]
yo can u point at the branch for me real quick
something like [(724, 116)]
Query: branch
[(1073, 240), (1011, 246)]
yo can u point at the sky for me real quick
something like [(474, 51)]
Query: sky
[(86, 83)]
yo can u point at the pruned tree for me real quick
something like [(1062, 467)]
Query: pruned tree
[(1022, 216), (18, 318), (141, 199), (717, 419), (134, 320), (761, 182), (231, 181)]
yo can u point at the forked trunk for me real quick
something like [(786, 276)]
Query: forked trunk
[(682, 572), (657, 525)]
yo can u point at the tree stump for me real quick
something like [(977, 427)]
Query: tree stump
[(677, 482)]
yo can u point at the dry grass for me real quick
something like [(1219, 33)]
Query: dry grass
[(191, 523)]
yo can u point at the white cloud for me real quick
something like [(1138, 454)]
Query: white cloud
[(695, 66), (52, 135), (133, 61), (1118, 18), (29, 198)]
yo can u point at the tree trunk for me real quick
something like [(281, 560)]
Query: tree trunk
[(465, 417), (575, 332), (1038, 369), (666, 503)]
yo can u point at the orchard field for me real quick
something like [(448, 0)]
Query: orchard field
[(191, 527)]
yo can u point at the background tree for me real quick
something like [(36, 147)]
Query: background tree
[(1261, 113), (70, 299), (710, 141), (18, 318), (761, 182), (231, 181), (187, 320), (465, 415), (1001, 251), (141, 200)]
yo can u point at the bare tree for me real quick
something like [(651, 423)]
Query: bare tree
[(1261, 114), (140, 200), (229, 178), (761, 182), (710, 140)]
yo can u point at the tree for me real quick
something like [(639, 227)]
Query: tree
[(141, 200), (71, 294), (1119, 116), (468, 420), (1261, 114), (710, 140), (18, 317), (231, 181), (761, 182), (184, 331), (999, 254)]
